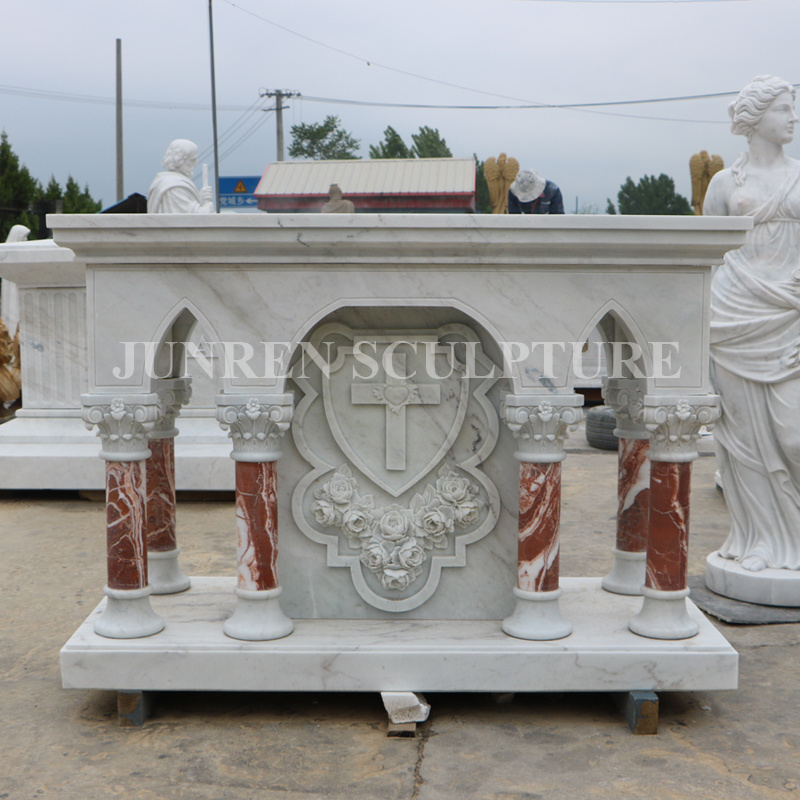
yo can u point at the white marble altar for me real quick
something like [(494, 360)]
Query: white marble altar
[(755, 329), (386, 478)]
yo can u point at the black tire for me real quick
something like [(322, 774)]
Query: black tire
[(600, 424)]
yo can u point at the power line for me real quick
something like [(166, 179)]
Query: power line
[(584, 107), (530, 103), (98, 100), (245, 136), (70, 97), (369, 63)]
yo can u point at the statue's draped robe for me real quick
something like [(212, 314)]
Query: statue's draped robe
[(173, 193), (755, 361)]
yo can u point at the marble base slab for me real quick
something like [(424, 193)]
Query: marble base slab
[(193, 654), (767, 587)]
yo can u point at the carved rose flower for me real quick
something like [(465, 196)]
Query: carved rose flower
[(452, 488), (355, 522), (466, 513), (394, 523), (397, 578), (325, 513), (373, 556), (436, 523), (340, 488), (411, 556)]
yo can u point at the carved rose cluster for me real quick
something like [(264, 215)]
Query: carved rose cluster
[(393, 539)]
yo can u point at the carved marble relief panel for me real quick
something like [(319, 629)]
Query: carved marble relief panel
[(394, 426)]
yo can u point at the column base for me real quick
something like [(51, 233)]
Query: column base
[(537, 617), (128, 615), (664, 616), (628, 573), (258, 617), (164, 574)]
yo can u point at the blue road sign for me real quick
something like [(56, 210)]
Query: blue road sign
[(237, 192)]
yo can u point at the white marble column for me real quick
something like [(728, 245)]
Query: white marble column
[(627, 576), (165, 573), (256, 424), (123, 422), (674, 425), (539, 424)]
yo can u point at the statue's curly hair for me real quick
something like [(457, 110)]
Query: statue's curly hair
[(748, 108), (177, 153)]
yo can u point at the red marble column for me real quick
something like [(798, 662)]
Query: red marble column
[(539, 521), (160, 467), (257, 525), (633, 493), (668, 538), (126, 509)]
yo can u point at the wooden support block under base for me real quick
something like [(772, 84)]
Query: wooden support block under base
[(401, 729), (133, 708), (640, 710)]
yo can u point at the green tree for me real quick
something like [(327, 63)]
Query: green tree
[(429, 144), (19, 192), (323, 141), (53, 192), (77, 201), (392, 146), (483, 203), (650, 196)]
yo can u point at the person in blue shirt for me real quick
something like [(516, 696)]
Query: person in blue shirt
[(532, 194)]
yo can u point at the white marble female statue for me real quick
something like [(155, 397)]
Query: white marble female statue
[(173, 191), (755, 334)]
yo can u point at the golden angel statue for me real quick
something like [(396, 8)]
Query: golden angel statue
[(10, 373), (702, 168), (500, 173)]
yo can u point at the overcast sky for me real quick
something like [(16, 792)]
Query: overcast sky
[(432, 52)]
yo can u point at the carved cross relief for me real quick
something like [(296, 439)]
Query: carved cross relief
[(396, 394)]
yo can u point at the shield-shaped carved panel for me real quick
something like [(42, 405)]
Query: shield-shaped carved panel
[(395, 426)]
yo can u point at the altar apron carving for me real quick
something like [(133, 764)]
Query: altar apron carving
[(395, 501)]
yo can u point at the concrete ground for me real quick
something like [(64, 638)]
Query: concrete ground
[(54, 743)]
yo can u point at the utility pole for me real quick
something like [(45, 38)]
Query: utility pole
[(279, 94), (214, 105), (120, 181)]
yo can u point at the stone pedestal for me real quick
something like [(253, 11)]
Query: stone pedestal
[(767, 587), (46, 445)]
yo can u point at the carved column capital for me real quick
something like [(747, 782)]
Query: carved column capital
[(123, 423), (255, 423), (626, 397), (540, 423), (674, 425), (173, 394)]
